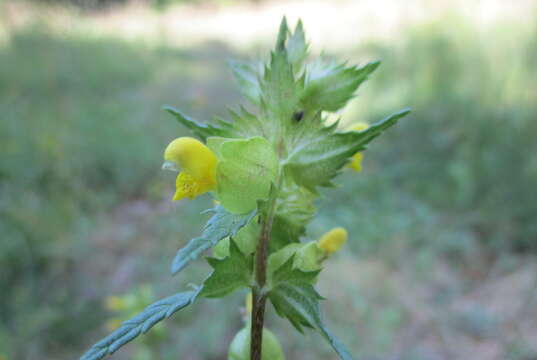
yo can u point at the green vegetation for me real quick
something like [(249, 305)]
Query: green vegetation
[(459, 176), (467, 151)]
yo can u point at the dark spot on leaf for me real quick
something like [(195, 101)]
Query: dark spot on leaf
[(297, 116)]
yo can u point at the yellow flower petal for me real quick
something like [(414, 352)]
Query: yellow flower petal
[(198, 165), (193, 157), (333, 240), (186, 186)]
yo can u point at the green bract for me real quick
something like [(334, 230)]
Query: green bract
[(273, 156), (245, 171)]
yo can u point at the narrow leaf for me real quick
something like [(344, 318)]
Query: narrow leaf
[(247, 76), (320, 156), (330, 85), (222, 224), (340, 349), (297, 48), (141, 323), (199, 129)]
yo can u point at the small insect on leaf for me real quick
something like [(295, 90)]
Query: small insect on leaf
[(298, 116)]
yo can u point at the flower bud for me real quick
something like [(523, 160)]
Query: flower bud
[(356, 162), (333, 240)]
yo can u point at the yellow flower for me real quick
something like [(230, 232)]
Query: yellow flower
[(333, 240), (198, 167), (356, 162)]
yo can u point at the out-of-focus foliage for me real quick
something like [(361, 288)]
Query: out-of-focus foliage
[(468, 150), (70, 146)]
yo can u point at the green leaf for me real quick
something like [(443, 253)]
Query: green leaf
[(140, 324), (294, 210), (278, 258), (337, 345), (306, 257), (246, 124), (247, 76), (329, 85), (246, 240), (221, 225), (296, 299), (282, 35), (289, 274), (319, 156), (199, 129), (280, 91), (245, 172), (229, 274), (297, 48)]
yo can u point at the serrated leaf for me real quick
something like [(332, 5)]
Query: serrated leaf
[(319, 156), (229, 274), (221, 225), (279, 90), (297, 48), (247, 125), (199, 129), (245, 172), (247, 75), (296, 303), (140, 324), (288, 273), (296, 299), (246, 240), (329, 85)]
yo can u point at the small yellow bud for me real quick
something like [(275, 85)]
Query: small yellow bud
[(333, 240), (356, 162), (197, 163)]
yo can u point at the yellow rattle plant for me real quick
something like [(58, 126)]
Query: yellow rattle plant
[(264, 168)]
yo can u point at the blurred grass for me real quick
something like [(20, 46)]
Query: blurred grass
[(82, 136), (76, 112), (55, 160)]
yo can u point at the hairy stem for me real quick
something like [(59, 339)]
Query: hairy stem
[(259, 296), (258, 318)]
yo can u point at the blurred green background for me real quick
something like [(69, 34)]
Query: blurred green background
[(441, 262)]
